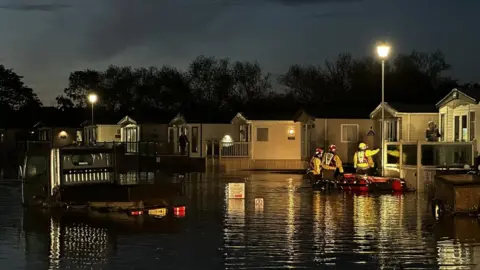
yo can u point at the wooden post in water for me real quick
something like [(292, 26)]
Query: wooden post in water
[(419, 165)]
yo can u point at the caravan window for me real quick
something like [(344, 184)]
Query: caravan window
[(349, 133), (262, 134), (82, 160)]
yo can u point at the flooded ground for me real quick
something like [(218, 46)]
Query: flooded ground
[(296, 228)]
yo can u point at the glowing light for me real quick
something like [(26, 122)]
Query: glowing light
[(92, 98), (227, 141), (291, 219), (291, 131), (63, 134), (383, 50)]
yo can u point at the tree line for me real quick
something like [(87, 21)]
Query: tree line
[(220, 84)]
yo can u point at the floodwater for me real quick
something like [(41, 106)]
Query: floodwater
[(296, 228)]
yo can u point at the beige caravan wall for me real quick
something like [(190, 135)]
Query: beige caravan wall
[(107, 133), (278, 145), (328, 131), (414, 125), (216, 132), (154, 132)]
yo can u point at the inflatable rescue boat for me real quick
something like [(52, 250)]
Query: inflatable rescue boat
[(354, 182), (364, 183)]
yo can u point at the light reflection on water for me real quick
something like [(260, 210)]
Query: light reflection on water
[(297, 228)]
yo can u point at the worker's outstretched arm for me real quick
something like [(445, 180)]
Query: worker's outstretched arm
[(393, 153), (338, 161), (370, 153)]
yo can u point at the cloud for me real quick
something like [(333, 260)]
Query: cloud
[(312, 2), (34, 7), (46, 45), (172, 26)]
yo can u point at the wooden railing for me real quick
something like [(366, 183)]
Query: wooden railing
[(234, 149)]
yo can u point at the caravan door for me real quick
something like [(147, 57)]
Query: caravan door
[(195, 138), (172, 140)]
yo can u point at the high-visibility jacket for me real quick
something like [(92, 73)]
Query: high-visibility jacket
[(363, 159), (316, 165), (331, 162)]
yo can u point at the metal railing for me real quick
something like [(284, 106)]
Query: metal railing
[(234, 149), (429, 154), (141, 148)]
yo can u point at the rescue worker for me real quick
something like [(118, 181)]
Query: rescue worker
[(330, 163), (316, 165), (362, 160)]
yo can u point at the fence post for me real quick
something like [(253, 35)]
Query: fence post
[(400, 146), (220, 146), (473, 146), (419, 164), (213, 148)]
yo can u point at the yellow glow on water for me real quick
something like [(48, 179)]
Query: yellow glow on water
[(318, 236), (452, 253), (364, 219), (78, 244), (55, 252), (291, 218), (329, 224)]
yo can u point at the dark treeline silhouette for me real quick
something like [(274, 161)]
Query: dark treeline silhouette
[(14, 94), (221, 85)]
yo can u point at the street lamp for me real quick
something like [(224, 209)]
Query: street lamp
[(92, 98), (383, 50)]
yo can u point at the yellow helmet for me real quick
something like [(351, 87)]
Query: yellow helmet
[(362, 146)]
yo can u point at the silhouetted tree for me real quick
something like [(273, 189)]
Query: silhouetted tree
[(209, 83), (212, 81), (14, 94), (307, 84), (80, 83), (221, 85), (250, 82), (416, 77)]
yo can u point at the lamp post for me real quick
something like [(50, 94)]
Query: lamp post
[(383, 50), (92, 98)]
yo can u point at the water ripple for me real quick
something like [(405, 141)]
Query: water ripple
[(296, 228)]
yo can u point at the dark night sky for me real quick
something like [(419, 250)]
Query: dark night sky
[(45, 40)]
